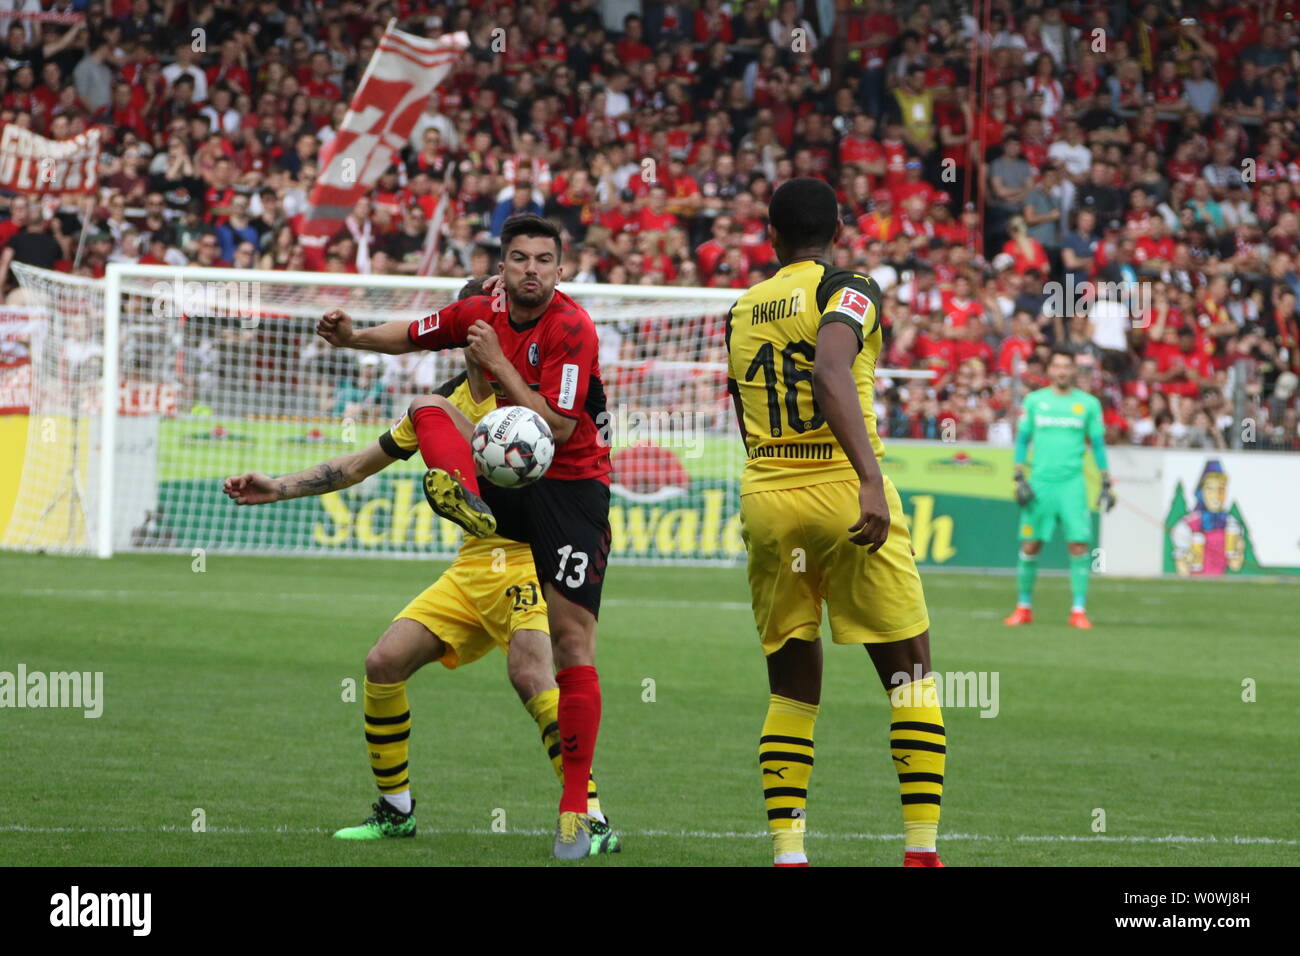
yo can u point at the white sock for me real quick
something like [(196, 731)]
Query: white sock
[(919, 849), (791, 858), (598, 815), (402, 801), (1077, 609)]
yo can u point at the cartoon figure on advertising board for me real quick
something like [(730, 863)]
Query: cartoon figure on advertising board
[(1208, 540)]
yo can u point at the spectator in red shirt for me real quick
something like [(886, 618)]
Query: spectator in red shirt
[(895, 150), (552, 50), (861, 149), (913, 185), (1017, 347), (1026, 252), (1182, 369), (19, 210), (731, 273), (230, 69), (970, 346), (654, 216), (1146, 384), (1156, 249), (725, 235), (881, 223), (959, 308), (624, 217), (684, 199), (631, 50), (712, 23)]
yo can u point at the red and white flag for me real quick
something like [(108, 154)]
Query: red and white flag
[(31, 163), (401, 76)]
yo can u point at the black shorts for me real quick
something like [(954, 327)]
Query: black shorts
[(567, 525)]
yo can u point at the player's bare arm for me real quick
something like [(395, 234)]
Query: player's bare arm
[(485, 349), (390, 338), (254, 488), (837, 397)]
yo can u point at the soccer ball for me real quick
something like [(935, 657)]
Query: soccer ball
[(513, 446)]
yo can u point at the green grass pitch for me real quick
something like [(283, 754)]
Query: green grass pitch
[(223, 692)]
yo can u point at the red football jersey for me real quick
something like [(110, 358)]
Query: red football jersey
[(556, 354)]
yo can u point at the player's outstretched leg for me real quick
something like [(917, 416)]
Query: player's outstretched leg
[(531, 670), (917, 742), (405, 647), (450, 484), (1026, 574), (1080, 569)]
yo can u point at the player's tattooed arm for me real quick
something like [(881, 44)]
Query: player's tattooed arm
[(253, 488), (319, 480)]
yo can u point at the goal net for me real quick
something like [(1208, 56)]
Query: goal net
[(211, 373)]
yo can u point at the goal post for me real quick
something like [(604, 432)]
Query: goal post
[(152, 384)]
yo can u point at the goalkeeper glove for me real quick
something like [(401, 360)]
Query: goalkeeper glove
[(1106, 500), (1024, 494)]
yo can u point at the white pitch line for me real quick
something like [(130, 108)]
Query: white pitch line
[(692, 834)]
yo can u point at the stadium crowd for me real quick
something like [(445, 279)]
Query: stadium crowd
[(1118, 179)]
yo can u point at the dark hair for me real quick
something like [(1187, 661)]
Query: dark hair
[(804, 212), (472, 287), (1061, 351), (531, 226)]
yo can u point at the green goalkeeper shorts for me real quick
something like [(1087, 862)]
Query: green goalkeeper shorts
[(1065, 502)]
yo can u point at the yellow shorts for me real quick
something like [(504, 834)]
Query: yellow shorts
[(800, 556), (489, 592)]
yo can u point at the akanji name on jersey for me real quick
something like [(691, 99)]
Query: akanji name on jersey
[(771, 348)]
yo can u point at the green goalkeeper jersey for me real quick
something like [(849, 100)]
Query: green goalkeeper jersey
[(1061, 427)]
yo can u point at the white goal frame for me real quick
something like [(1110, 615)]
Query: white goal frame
[(117, 273)]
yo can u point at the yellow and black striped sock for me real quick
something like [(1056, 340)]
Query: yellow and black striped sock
[(544, 709), (785, 758), (918, 746), (388, 739)]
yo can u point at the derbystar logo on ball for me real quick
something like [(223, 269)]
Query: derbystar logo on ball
[(512, 446)]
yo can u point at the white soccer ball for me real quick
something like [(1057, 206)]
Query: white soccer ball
[(513, 446)]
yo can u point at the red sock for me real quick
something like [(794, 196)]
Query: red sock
[(441, 445), (579, 713)]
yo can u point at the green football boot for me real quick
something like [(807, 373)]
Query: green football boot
[(386, 821), (603, 838)]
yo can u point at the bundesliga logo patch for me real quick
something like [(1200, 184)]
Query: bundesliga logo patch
[(855, 305), (429, 324)]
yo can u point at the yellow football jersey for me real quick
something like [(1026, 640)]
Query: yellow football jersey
[(771, 346)]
